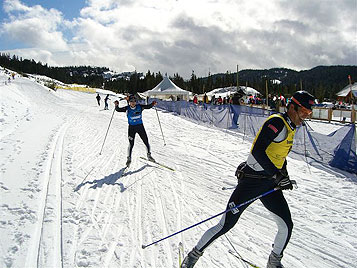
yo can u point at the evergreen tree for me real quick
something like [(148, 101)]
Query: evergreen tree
[(323, 81)]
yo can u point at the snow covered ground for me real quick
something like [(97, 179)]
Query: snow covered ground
[(62, 204)]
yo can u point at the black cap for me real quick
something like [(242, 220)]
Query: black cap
[(132, 97), (303, 98)]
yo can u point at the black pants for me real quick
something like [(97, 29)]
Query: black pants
[(275, 202), (131, 135)]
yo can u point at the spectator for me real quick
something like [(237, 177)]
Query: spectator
[(213, 100), (205, 99)]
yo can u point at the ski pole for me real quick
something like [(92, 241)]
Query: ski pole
[(210, 218), (228, 188), (107, 131), (160, 126)]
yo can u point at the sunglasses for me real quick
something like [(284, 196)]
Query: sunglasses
[(304, 111)]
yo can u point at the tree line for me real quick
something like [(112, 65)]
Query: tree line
[(322, 81)]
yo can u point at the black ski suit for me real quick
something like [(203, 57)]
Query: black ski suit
[(136, 124), (257, 179)]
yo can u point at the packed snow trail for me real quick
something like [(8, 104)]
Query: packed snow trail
[(99, 217)]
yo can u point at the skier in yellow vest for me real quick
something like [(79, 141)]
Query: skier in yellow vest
[(264, 170)]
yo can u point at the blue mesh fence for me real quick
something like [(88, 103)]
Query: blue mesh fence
[(337, 149)]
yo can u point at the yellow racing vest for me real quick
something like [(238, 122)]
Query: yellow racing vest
[(278, 151)]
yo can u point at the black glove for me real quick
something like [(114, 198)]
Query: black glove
[(283, 181), (239, 172)]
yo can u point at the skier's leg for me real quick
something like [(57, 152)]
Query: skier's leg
[(227, 221), (131, 137), (245, 190), (277, 205), (144, 137)]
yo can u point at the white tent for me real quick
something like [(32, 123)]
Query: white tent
[(228, 91), (346, 91), (223, 92), (250, 91), (166, 89)]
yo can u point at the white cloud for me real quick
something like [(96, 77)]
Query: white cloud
[(34, 26), (14, 5), (184, 35)]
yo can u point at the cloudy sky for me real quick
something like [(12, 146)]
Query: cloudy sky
[(178, 36)]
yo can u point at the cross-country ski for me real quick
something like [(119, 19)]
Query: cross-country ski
[(157, 163), (242, 259), (181, 253)]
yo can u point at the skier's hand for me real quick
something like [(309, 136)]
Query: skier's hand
[(285, 184), (282, 179), (154, 103), (116, 103), (239, 172)]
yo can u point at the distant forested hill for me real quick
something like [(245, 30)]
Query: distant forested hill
[(322, 81)]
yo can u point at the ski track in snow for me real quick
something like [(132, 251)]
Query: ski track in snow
[(49, 248), (71, 207)]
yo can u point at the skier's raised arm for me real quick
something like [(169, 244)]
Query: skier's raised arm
[(120, 109), (148, 106)]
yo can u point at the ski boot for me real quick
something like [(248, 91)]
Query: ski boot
[(274, 261), (150, 158), (191, 258), (128, 161)]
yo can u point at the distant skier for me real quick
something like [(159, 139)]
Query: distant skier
[(106, 102), (98, 99), (134, 114), (264, 170)]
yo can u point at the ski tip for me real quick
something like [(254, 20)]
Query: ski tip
[(143, 246)]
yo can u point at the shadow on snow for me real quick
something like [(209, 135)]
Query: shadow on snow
[(111, 179)]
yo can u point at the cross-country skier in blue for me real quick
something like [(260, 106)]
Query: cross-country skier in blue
[(264, 170), (134, 114)]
